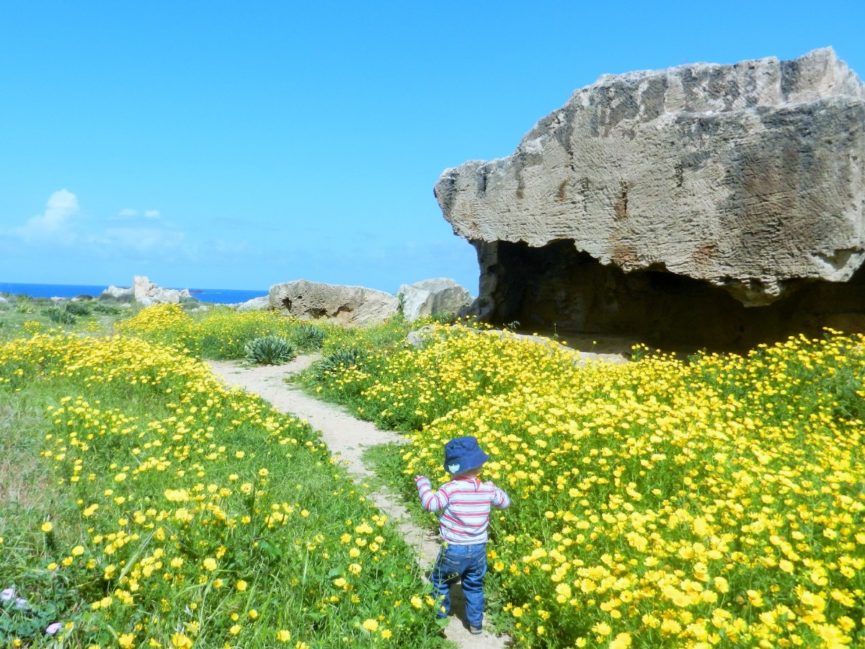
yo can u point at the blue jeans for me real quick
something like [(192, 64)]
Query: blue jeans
[(468, 563)]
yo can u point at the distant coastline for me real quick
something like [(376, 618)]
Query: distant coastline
[(209, 295)]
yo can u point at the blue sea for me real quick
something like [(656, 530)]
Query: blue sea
[(211, 295)]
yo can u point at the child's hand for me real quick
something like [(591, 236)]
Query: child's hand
[(419, 477)]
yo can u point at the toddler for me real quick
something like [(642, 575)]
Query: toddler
[(464, 503)]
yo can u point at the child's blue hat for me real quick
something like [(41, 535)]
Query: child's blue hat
[(463, 454)]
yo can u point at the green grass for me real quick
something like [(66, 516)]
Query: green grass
[(297, 537), (21, 316)]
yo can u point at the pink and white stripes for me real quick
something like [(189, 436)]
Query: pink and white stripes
[(465, 505)]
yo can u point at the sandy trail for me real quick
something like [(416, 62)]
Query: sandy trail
[(348, 438)]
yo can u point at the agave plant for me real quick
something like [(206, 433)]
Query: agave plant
[(269, 350)]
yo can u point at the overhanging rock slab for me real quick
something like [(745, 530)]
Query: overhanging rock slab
[(749, 177)]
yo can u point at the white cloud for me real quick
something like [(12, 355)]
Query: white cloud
[(132, 213), (62, 230), (61, 208)]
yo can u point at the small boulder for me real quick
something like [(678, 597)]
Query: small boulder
[(255, 304), (439, 296), (354, 305), (420, 338)]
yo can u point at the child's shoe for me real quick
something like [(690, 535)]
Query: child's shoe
[(475, 630)]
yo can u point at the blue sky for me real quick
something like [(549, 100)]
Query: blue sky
[(241, 144)]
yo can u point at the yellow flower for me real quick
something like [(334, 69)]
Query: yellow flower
[(47, 527), (602, 628), (370, 625), (235, 629), (241, 585), (210, 564), (181, 641), (126, 640), (283, 635), (621, 641)]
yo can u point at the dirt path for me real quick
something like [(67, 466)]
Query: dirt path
[(348, 437)]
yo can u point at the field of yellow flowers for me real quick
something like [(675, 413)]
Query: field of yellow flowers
[(183, 514), (221, 332), (715, 502)]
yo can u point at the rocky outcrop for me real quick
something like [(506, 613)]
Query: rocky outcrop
[(117, 293), (147, 293), (439, 296), (353, 305), (747, 177)]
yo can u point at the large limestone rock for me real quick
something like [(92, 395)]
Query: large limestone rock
[(749, 177), (354, 305), (147, 293), (439, 296)]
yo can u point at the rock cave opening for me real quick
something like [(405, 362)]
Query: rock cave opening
[(557, 288)]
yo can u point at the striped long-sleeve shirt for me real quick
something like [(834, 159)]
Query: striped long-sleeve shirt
[(465, 507)]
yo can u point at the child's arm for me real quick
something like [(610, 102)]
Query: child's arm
[(500, 499), (430, 500)]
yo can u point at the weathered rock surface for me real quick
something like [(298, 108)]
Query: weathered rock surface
[(147, 293), (420, 338), (345, 304), (750, 177), (440, 296), (255, 304), (117, 293)]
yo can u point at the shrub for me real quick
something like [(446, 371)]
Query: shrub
[(24, 304), (339, 360), (60, 315), (78, 308), (108, 308), (269, 350), (308, 337)]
